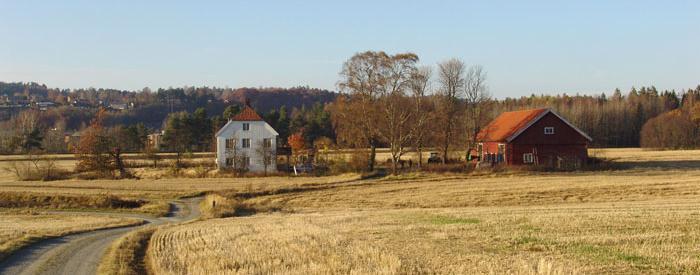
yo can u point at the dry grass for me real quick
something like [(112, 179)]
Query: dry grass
[(90, 202), (168, 188), (642, 219), (20, 229), (217, 206), (587, 238), (125, 256)]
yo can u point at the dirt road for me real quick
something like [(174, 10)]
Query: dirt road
[(81, 253)]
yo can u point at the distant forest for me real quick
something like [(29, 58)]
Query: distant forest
[(614, 119), (75, 108)]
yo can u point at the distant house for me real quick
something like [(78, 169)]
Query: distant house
[(118, 106), (246, 141), (45, 105), (532, 137), (72, 141), (155, 140)]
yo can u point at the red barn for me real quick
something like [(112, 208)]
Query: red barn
[(538, 137)]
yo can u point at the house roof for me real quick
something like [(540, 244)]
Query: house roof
[(247, 114), (509, 125)]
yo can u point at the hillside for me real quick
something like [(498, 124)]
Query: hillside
[(149, 107)]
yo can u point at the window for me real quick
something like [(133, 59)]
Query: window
[(230, 143), (246, 126), (528, 158), (267, 142), (229, 162), (246, 161), (548, 130), (245, 143)]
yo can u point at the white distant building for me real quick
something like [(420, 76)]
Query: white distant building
[(246, 141)]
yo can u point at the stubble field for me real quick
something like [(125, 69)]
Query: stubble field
[(641, 217)]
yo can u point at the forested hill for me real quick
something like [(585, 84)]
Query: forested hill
[(147, 106)]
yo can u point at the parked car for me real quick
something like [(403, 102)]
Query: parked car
[(434, 158)]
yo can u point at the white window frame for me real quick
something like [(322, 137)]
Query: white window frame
[(245, 143), (267, 142), (246, 126), (528, 158), (548, 130)]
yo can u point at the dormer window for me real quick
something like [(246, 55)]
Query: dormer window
[(548, 130), (246, 126)]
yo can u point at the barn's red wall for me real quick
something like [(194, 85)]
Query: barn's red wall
[(566, 142)]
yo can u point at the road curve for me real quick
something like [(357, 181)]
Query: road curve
[(81, 253)]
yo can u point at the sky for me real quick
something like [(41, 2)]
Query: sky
[(526, 47)]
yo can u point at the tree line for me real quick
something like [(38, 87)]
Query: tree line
[(385, 100)]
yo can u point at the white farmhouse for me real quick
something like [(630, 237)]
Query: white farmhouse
[(247, 141)]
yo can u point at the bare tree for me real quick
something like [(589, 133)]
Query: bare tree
[(396, 113), (419, 85), (451, 80), (355, 117), (266, 153), (476, 99)]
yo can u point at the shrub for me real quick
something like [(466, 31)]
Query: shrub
[(37, 169)]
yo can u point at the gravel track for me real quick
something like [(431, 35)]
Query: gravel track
[(81, 253)]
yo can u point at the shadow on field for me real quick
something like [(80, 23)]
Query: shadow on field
[(662, 165)]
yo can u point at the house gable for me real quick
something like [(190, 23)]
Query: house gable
[(564, 133), (232, 128)]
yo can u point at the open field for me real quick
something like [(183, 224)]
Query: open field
[(19, 229), (635, 220), (641, 217), (580, 238)]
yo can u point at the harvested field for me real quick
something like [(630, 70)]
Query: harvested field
[(640, 219), (578, 238)]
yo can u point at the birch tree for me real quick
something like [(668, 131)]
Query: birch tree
[(397, 113), (419, 86), (476, 99), (451, 82)]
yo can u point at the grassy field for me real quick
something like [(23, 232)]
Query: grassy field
[(640, 217), (18, 229)]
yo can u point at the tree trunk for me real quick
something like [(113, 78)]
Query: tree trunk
[(445, 149), (420, 157), (178, 156), (372, 155)]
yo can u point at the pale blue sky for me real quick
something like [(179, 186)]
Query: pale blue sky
[(526, 46)]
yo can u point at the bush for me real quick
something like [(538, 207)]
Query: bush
[(37, 169), (357, 164)]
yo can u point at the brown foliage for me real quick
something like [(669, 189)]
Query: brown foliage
[(94, 147), (673, 130)]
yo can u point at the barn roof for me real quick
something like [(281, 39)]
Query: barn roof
[(247, 114), (510, 125)]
